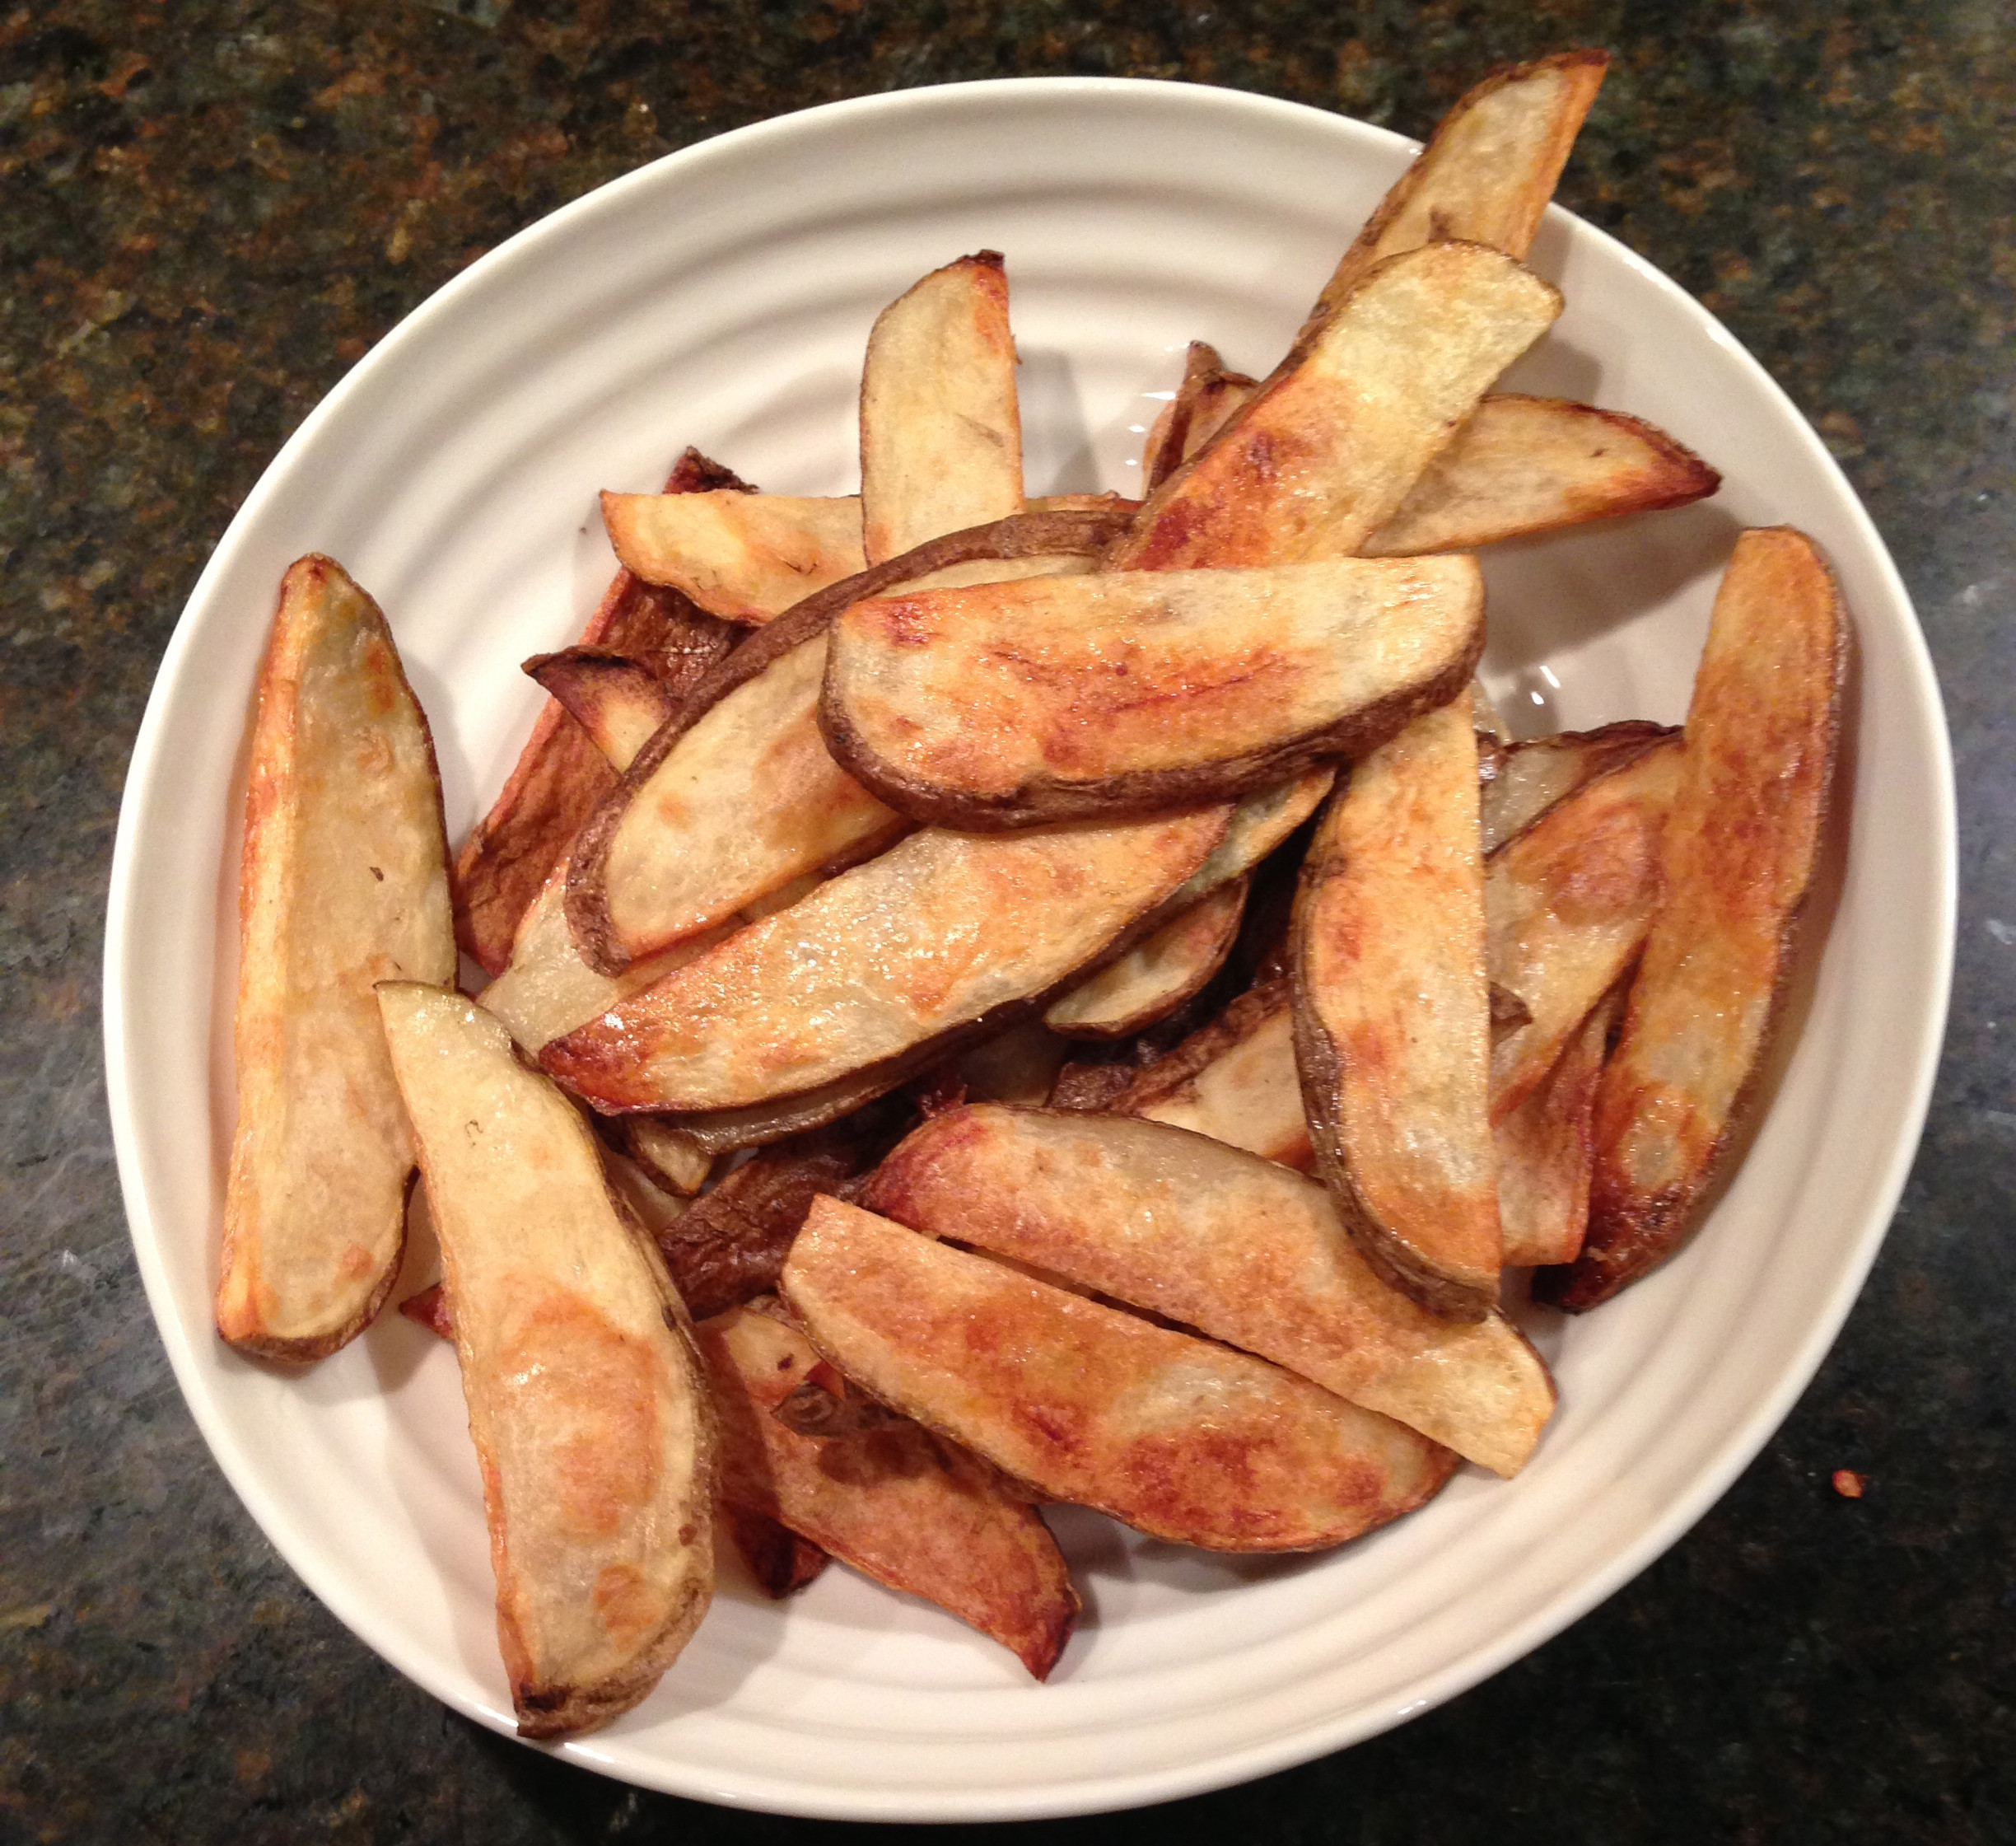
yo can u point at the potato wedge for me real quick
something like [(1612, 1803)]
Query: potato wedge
[(619, 701), (343, 882), (1156, 975), (899, 1504), (585, 1393), (743, 557), (735, 796), (561, 777), (1078, 698), (1544, 1149), (1487, 174), (671, 1159), (1234, 1080), (1521, 465), (1567, 903), (1018, 1065), (1391, 1019), (1741, 843), (1326, 452), (945, 934), (1177, 1437), (1233, 1246), (940, 426), (1531, 776), (1206, 398)]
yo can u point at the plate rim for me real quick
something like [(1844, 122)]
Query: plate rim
[(1313, 1738)]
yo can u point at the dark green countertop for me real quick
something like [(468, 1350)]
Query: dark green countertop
[(209, 211)]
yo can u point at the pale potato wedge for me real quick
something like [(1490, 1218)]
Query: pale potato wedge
[(669, 1156), (1487, 174), (1325, 453), (1156, 975), (1206, 398), (561, 777), (343, 882), (743, 557), (585, 1398), (1522, 465), (940, 426), (1177, 1437), (1233, 1246), (1567, 903), (1545, 1149), (1740, 847), (1010, 704), (944, 934), (899, 1504), (1391, 1017), (619, 701), (1234, 1080), (1529, 776)]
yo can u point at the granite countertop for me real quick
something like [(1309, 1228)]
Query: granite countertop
[(210, 210)]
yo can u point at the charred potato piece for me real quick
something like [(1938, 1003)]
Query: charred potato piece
[(343, 882)]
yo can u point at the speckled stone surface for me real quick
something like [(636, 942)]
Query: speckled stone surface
[(208, 211)]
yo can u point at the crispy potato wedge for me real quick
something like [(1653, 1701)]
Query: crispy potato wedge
[(944, 934), (1487, 173), (561, 777), (1207, 396), (1325, 453), (1078, 698), (619, 701), (584, 1394), (1177, 1437), (1156, 975), (1740, 846), (1235, 1080), (734, 797), (343, 882), (899, 1504), (1529, 776), (1522, 465), (743, 557), (1567, 903), (940, 427), (1392, 1018), (1239, 1248), (1545, 1148)]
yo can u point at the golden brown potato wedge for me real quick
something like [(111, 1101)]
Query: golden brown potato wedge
[(1528, 777), (1325, 453), (1233, 1246), (899, 1504), (584, 1394), (1179, 1438), (343, 882), (1487, 173), (1521, 465), (1010, 704), (943, 934), (561, 777), (735, 797), (1235, 1080), (1567, 903), (1391, 1017), (1156, 975), (940, 427), (619, 701), (745, 557), (1544, 1149), (1740, 846), (1206, 398)]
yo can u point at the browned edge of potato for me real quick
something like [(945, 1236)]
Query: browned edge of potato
[(1007, 705), (1207, 395), (1029, 535), (1225, 1242), (1742, 841), (1391, 1017), (619, 701), (896, 1503), (587, 1400), (342, 882), (560, 776), (1156, 975), (1096, 1406)]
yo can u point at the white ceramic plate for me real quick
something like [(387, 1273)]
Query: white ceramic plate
[(722, 297)]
